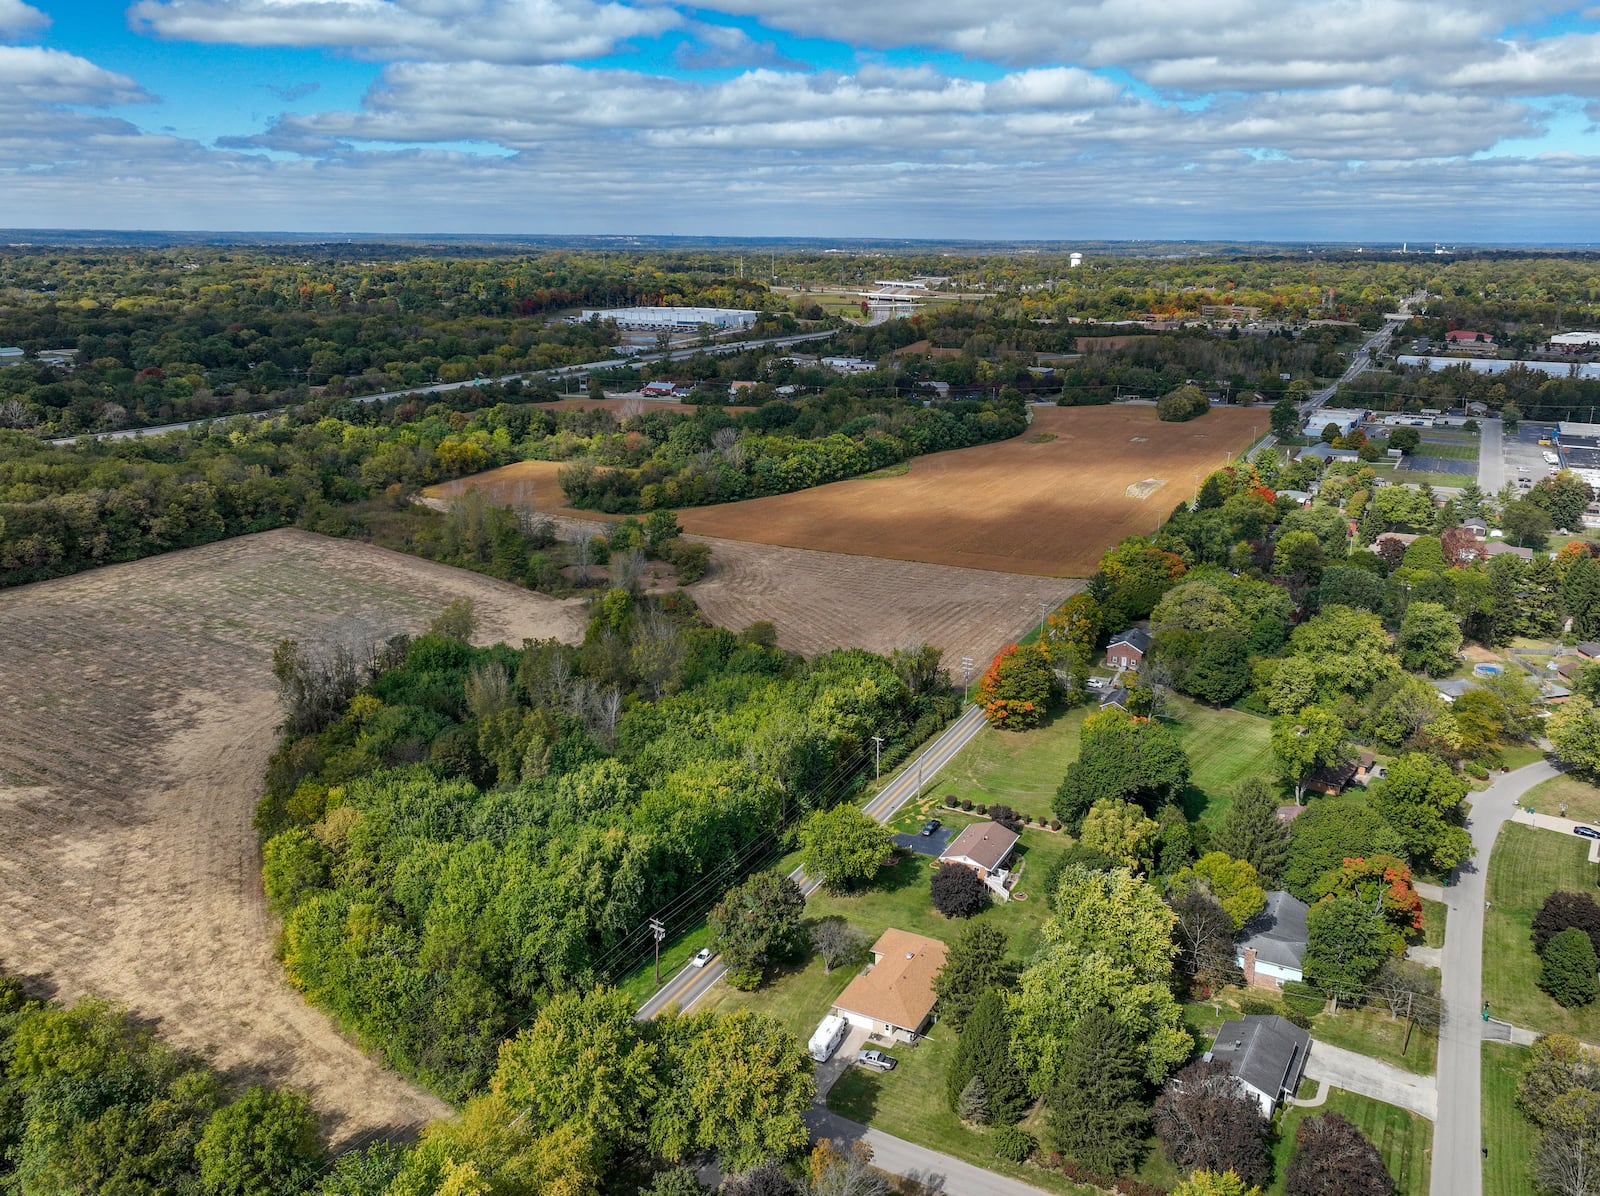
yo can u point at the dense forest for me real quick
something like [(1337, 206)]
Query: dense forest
[(476, 830)]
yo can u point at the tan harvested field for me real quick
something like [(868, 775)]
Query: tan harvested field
[(139, 713), (517, 484), (824, 600), (1048, 508)]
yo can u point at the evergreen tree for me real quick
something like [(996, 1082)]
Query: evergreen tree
[(1253, 831), (976, 962), (984, 1051), (973, 1104), (1098, 1112), (1567, 968)]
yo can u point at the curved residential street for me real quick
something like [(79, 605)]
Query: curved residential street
[(1457, 1139)]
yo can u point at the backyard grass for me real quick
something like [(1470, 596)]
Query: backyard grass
[(1456, 450), (1518, 755), (1403, 1139), (1371, 1032), (1417, 477), (909, 1102), (1508, 1135), (1023, 769), (1580, 797), (1527, 865)]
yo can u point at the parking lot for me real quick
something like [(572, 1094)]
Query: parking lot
[(933, 844), (1525, 463)]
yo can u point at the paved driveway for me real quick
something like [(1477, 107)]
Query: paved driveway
[(933, 844), (828, 1073), (1358, 1073)]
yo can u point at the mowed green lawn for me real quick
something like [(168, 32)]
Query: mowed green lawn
[(1580, 797), (1404, 1139), (1527, 865), (1023, 769), (909, 1102), (1509, 1135), (801, 993)]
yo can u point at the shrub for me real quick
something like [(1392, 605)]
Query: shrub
[(1006, 816), (1257, 1007), (1055, 825), (1475, 770), (951, 801), (958, 891), (1295, 1018), (1013, 1144), (966, 803), (1305, 998), (982, 808), (1562, 910), (1567, 971)]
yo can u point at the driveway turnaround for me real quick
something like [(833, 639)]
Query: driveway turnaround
[(1368, 1077), (1457, 1137), (933, 844)]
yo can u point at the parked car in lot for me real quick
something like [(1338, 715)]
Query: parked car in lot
[(877, 1060), (929, 827), (1588, 832), (701, 958)]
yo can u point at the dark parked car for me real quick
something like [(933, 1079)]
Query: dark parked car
[(1588, 832), (877, 1060), (929, 827)]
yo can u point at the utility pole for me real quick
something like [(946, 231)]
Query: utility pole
[(660, 932), (966, 675), (877, 757), (1044, 609)]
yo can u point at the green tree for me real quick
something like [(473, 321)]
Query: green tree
[(975, 963), (737, 1084), (1122, 831), (1563, 497), (843, 847), (1299, 558), (262, 1144), (1122, 758), (1421, 799), (1305, 742), (1525, 523), (1232, 882), (1568, 1156), (1285, 418), (757, 924), (1580, 595), (1098, 1112), (1567, 968), (585, 1060), (1355, 588), (1184, 403), (1345, 946), (1405, 439), (1327, 834), (984, 1051), (1109, 946), (1220, 670), (1253, 831), (1574, 731), (1430, 639)]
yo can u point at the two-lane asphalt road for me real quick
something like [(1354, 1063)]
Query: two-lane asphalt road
[(692, 983)]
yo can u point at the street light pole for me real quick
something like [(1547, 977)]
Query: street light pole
[(877, 757)]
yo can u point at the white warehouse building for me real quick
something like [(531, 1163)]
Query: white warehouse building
[(674, 317), (1343, 418)]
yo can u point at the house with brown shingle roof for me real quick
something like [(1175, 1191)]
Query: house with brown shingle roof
[(894, 997), (984, 847)]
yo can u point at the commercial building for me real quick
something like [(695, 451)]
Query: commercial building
[(666, 318), (1345, 419), (1575, 342)]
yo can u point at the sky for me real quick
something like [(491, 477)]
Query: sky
[(1317, 120)]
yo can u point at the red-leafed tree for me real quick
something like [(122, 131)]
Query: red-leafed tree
[(1016, 690)]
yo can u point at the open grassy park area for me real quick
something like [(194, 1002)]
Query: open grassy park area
[(1581, 799), (1526, 867), (1023, 768), (1509, 1136)]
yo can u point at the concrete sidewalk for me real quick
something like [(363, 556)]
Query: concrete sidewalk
[(1368, 1077)]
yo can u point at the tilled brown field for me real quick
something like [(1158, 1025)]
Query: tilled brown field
[(1026, 505), (139, 714), (824, 600)]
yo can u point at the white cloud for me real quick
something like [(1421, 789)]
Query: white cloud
[(503, 31), (1565, 65), (34, 75), (17, 17), (718, 47)]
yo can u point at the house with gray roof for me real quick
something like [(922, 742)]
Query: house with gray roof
[(1272, 944), (1265, 1053)]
